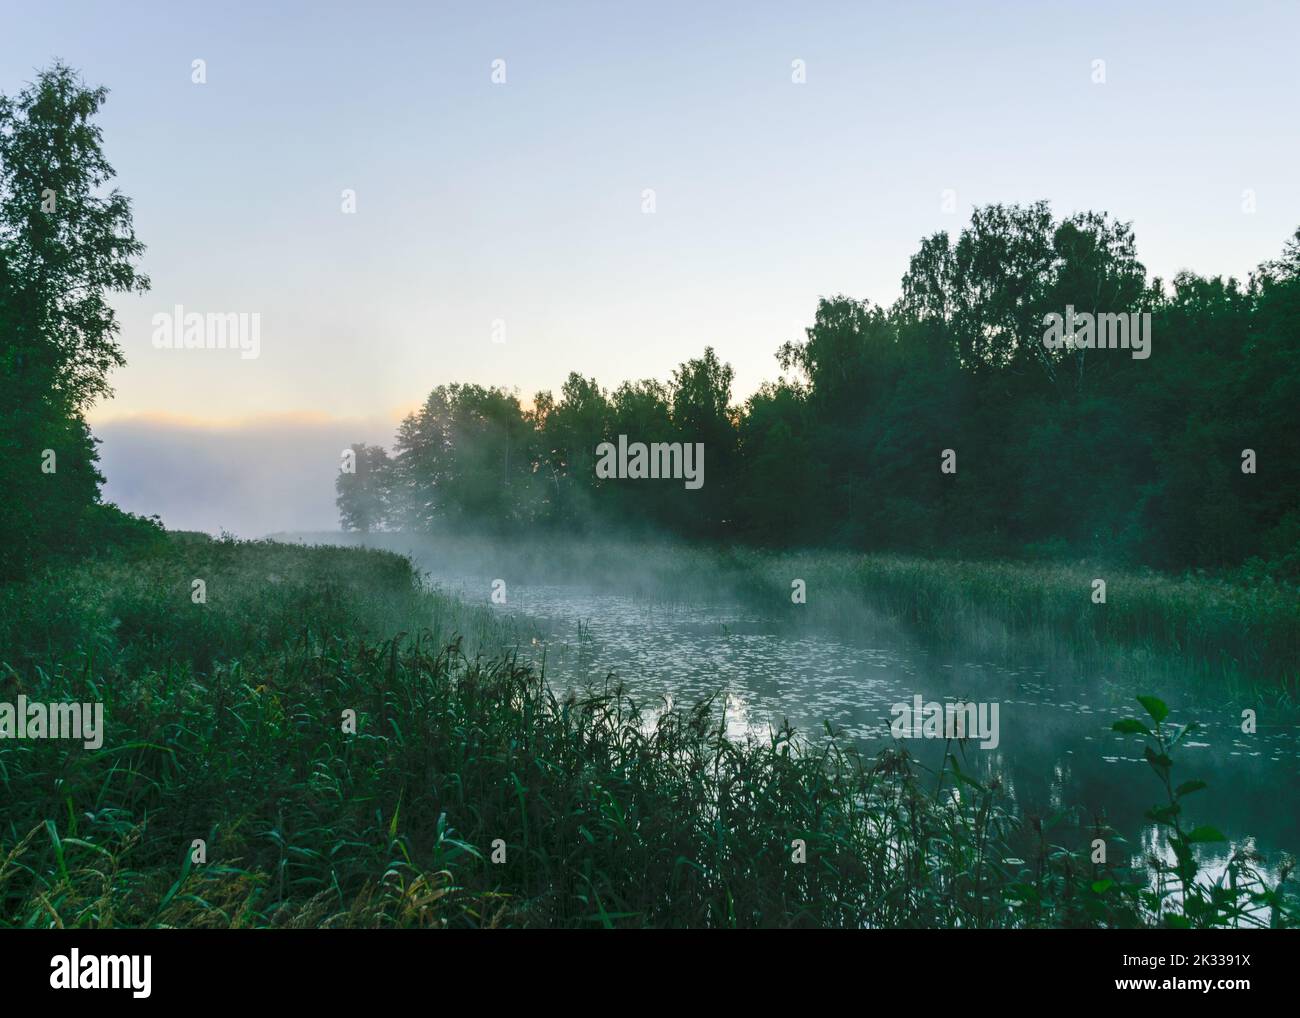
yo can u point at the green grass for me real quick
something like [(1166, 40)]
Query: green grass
[(224, 723)]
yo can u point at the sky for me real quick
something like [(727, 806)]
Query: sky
[(501, 233)]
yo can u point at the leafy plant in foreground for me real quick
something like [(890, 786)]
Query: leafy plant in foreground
[(1185, 895)]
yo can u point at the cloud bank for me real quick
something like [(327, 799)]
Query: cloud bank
[(250, 478)]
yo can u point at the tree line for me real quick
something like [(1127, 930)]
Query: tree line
[(1187, 457)]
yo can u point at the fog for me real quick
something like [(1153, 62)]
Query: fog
[(676, 623), (274, 473)]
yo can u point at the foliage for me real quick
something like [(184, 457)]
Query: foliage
[(1060, 453), (224, 724), (66, 243)]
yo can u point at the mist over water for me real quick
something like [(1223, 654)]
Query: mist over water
[(673, 627)]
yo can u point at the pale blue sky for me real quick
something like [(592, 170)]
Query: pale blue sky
[(522, 201)]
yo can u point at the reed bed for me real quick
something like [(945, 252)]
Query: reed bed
[(471, 794)]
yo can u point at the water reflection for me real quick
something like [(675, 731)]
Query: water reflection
[(1057, 749)]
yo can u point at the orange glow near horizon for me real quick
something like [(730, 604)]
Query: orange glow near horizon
[(290, 418)]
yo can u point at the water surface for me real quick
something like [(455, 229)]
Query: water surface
[(1056, 749)]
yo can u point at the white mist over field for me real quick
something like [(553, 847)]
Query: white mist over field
[(250, 478)]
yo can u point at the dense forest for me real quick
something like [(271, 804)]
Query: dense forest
[(1187, 457)]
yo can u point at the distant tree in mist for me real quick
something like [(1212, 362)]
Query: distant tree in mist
[(467, 456), (364, 492)]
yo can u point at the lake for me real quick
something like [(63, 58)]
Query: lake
[(1055, 748)]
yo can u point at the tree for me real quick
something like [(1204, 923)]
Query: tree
[(989, 286), (570, 430), (1060, 452), (364, 493), (700, 397), (464, 457), (65, 244)]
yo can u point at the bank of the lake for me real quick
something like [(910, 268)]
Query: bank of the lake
[(1238, 629), (231, 788)]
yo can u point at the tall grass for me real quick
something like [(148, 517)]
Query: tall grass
[(1218, 628), (1240, 628), (470, 794)]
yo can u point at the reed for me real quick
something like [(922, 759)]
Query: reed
[(471, 794)]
